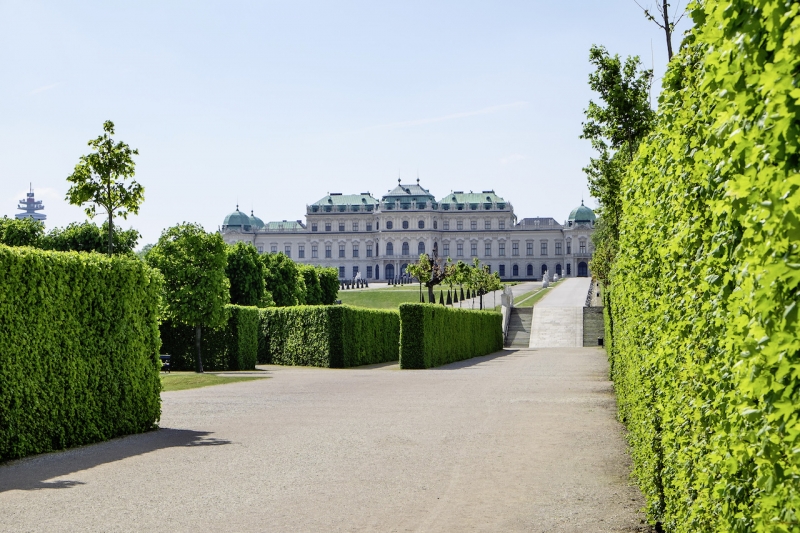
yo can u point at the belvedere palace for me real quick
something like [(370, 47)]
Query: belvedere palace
[(362, 236)]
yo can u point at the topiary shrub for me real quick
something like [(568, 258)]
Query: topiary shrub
[(78, 350)]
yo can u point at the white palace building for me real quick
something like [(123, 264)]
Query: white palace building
[(377, 239)]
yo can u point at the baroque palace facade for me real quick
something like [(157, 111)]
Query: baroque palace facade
[(375, 239)]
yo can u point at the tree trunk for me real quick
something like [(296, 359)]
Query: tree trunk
[(431, 297), (110, 233), (199, 362), (667, 30)]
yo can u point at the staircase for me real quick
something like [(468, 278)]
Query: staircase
[(557, 327), (519, 327)]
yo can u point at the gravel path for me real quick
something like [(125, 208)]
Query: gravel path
[(516, 441)]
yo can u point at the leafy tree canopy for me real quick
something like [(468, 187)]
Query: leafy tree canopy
[(88, 237), (313, 295), (283, 280), (328, 284), (21, 231), (245, 272)]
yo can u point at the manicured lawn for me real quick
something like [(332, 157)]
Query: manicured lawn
[(191, 380), (388, 298)]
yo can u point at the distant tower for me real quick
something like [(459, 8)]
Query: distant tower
[(30, 205)]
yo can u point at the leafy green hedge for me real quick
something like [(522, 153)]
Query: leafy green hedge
[(78, 349), (232, 347), (328, 336), (432, 335), (705, 290)]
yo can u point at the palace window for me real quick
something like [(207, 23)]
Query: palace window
[(487, 251), (529, 248), (421, 224), (405, 224), (273, 248), (529, 271), (369, 250), (473, 249), (435, 224), (544, 248), (569, 247), (341, 250), (369, 226), (288, 250), (327, 226), (421, 248), (405, 248), (473, 225), (355, 271), (487, 224), (446, 249), (515, 249), (388, 224), (314, 251), (460, 225), (445, 224), (389, 248), (502, 250), (341, 272), (261, 248), (582, 248), (301, 251), (327, 251), (369, 272), (502, 271), (314, 226), (355, 226), (558, 248), (341, 226), (502, 224), (515, 270), (460, 250), (355, 250)]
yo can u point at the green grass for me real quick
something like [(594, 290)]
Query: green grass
[(191, 380), (388, 298)]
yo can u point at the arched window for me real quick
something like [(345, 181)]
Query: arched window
[(544, 269), (436, 248), (389, 248), (405, 224), (530, 271), (435, 224), (388, 224), (569, 269), (377, 272), (583, 270), (558, 269), (405, 248), (389, 271), (421, 248), (515, 270), (421, 224)]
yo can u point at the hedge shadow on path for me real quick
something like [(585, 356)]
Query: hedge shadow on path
[(32, 473), (466, 363)]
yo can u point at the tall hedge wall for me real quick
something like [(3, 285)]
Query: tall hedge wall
[(78, 349), (232, 347), (705, 290), (328, 336), (433, 335)]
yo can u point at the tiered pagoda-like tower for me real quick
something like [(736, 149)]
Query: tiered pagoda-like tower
[(31, 205)]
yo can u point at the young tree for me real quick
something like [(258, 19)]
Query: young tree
[(662, 20), (99, 179), (615, 130), (482, 280), (195, 285), (21, 231), (328, 284), (430, 272), (312, 283), (245, 273), (283, 280)]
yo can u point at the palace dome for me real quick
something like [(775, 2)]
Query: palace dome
[(237, 218), (582, 214), (256, 222)]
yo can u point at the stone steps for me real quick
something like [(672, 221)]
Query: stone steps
[(519, 327), (556, 327)]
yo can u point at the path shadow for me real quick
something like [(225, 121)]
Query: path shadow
[(466, 363), (31, 473)]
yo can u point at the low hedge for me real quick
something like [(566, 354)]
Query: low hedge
[(432, 335), (233, 347), (328, 336), (78, 350)]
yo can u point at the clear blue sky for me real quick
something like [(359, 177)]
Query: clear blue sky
[(275, 104)]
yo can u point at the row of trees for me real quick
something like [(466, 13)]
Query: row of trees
[(78, 237), (432, 271)]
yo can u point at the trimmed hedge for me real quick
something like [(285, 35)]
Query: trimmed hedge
[(328, 336), (78, 350), (705, 290), (432, 335), (233, 347)]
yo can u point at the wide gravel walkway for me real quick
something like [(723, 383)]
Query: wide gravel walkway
[(515, 441)]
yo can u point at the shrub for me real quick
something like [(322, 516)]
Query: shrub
[(78, 351), (231, 347), (328, 336), (313, 295), (706, 287), (245, 273), (283, 280), (329, 284), (432, 335)]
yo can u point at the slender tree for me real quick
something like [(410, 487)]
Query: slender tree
[(430, 272), (100, 179), (195, 285), (662, 20), (245, 273)]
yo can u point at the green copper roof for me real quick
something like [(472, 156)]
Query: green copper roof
[(460, 197), (255, 221), (347, 199), (283, 225), (582, 214), (408, 193), (237, 218)]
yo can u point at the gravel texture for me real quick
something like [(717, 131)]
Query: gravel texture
[(515, 441)]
